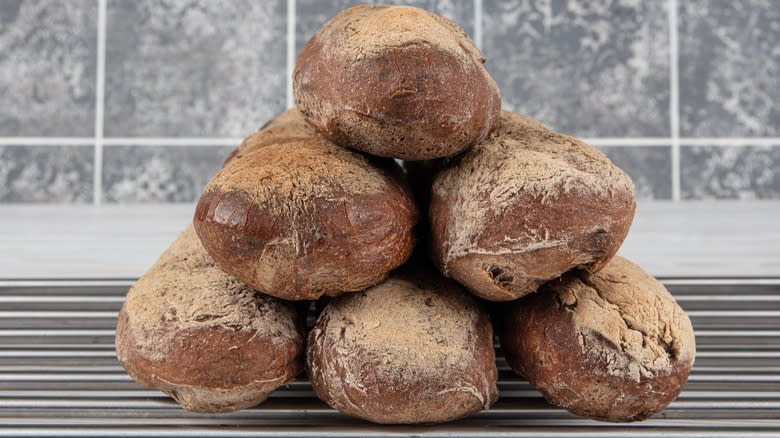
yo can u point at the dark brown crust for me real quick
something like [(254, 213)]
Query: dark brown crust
[(199, 335), (540, 342), (352, 247), (203, 363), (347, 241), (414, 101), (506, 277), (549, 225), (403, 399)]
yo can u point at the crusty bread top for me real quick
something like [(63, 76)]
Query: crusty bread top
[(302, 217), (522, 157), (372, 29), (185, 291), (627, 320), (411, 330), (288, 124), (290, 121), (292, 171), (396, 81)]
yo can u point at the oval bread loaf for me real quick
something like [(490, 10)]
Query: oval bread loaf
[(201, 336), (413, 349), (525, 206), (613, 346), (302, 217), (396, 81)]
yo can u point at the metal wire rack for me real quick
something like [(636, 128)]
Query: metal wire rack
[(59, 376)]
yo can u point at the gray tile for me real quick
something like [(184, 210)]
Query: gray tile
[(133, 174), (736, 172), (311, 14), (729, 68), (46, 174), (47, 67), (194, 68), (650, 167), (596, 68)]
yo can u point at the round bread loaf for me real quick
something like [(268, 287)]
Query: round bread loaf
[(396, 81), (201, 336), (525, 206), (413, 349), (302, 217), (612, 346)]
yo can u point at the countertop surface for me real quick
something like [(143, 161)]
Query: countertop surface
[(687, 239)]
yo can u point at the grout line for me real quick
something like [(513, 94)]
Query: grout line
[(47, 141), (617, 141), (478, 24), (233, 141), (172, 141), (100, 88), (120, 141), (290, 51), (729, 141), (674, 99)]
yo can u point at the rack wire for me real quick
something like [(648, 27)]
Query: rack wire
[(59, 376)]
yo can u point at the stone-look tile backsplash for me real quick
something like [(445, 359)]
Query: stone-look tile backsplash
[(729, 68), (587, 68), (47, 68), (53, 174), (183, 70), (194, 68), (745, 172), (650, 167), (159, 174)]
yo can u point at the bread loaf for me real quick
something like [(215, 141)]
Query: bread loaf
[(413, 349), (525, 206), (613, 346), (201, 336), (301, 217), (396, 82)]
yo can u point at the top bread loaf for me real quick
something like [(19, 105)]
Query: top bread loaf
[(396, 82)]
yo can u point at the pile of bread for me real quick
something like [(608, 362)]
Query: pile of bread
[(314, 208)]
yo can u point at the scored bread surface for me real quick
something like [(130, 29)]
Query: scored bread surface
[(613, 346), (524, 206), (633, 312)]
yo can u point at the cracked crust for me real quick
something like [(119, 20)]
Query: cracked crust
[(298, 217), (199, 335), (613, 346), (413, 349), (396, 81), (525, 206)]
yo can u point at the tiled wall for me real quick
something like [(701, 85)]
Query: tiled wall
[(139, 101)]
